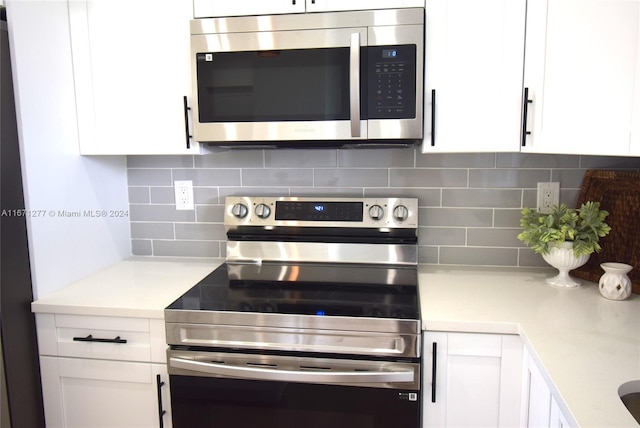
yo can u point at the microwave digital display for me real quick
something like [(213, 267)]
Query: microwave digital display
[(389, 53)]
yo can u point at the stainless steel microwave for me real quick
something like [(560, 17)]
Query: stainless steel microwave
[(309, 79)]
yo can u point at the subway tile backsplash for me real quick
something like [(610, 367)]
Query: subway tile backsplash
[(469, 203)]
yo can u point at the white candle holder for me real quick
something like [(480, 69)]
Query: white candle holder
[(615, 284)]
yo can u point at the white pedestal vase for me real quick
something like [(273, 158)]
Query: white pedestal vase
[(562, 258), (614, 283)]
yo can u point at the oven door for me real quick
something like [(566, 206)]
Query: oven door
[(216, 389)]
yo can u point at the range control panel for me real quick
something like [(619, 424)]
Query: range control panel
[(321, 212)]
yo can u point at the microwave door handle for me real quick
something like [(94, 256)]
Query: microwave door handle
[(354, 84), (261, 373)]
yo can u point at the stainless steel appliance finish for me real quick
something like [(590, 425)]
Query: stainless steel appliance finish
[(382, 220), (305, 79), (384, 327), (316, 302), (377, 374)]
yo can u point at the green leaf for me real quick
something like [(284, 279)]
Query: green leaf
[(584, 226)]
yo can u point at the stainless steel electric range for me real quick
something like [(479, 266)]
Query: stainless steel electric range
[(313, 320)]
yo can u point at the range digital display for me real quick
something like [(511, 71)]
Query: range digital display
[(319, 211)]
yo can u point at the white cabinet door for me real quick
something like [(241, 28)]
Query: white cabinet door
[(540, 408), (557, 419), (539, 398), (473, 75), (477, 380), (84, 393), (217, 8), (336, 5), (131, 73), (581, 73)]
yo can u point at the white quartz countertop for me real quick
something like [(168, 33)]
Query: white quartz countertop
[(137, 287), (587, 345)]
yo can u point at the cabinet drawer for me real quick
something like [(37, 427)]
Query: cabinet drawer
[(110, 338)]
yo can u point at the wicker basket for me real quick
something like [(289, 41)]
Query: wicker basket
[(619, 193)]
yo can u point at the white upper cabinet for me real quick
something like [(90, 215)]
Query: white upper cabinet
[(131, 74), (473, 75), (217, 8), (334, 5), (582, 76)]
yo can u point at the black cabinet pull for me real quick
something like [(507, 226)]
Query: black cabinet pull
[(433, 117), (186, 122), (90, 338), (161, 411), (434, 365), (525, 112)]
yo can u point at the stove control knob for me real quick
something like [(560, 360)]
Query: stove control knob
[(376, 212), (262, 211), (239, 210), (401, 213)]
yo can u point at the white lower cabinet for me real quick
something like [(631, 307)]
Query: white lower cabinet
[(472, 380), (557, 419), (103, 372), (541, 409), (99, 393)]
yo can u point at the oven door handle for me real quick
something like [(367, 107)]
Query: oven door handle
[(261, 373)]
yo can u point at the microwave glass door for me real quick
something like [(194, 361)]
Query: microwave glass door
[(274, 85), (279, 85)]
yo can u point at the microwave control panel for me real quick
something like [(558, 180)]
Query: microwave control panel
[(392, 82)]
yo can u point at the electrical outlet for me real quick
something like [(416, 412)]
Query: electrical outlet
[(184, 194), (548, 196)]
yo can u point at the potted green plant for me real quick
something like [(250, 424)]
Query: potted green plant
[(566, 237)]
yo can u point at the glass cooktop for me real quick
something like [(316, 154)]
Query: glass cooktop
[(307, 289)]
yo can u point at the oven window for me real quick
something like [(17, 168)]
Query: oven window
[(214, 402), (267, 86)]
